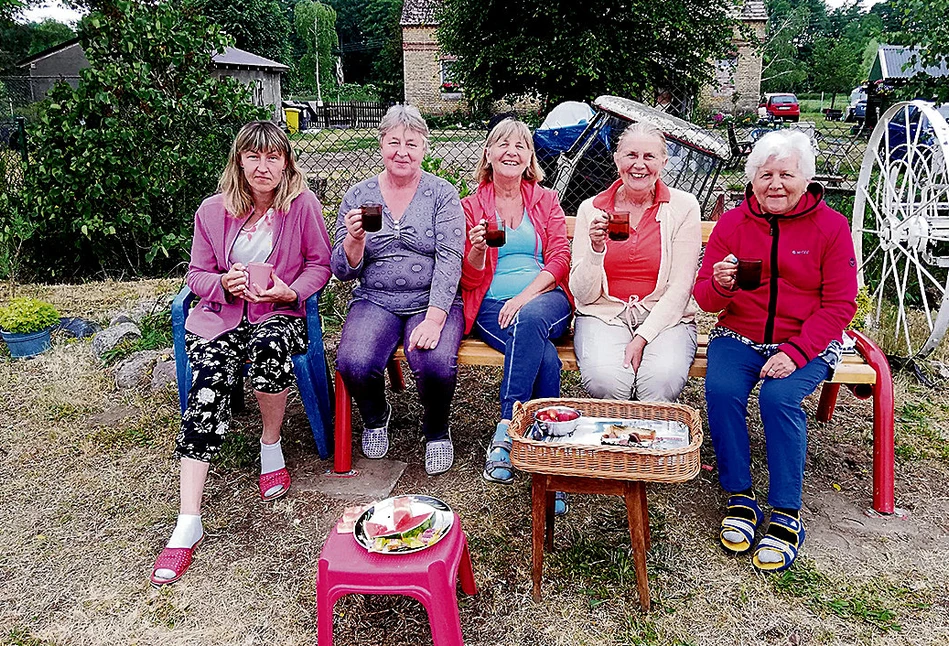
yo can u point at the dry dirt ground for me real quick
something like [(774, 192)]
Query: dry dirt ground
[(89, 497)]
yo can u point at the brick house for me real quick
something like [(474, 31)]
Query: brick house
[(429, 82), (737, 85)]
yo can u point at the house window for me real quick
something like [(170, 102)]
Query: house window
[(449, 84)]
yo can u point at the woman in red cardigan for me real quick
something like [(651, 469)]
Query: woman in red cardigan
[(515, 295)]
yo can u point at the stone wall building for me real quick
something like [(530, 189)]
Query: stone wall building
[(737, 85), (429, 83)]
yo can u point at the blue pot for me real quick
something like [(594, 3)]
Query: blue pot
[(27, 345)]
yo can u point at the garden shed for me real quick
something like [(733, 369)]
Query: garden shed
[(64, 62)]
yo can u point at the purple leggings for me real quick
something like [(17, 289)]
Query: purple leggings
[(370, 336)]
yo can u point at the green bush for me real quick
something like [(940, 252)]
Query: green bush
[(433, 165), (27, 315), (119, 164)]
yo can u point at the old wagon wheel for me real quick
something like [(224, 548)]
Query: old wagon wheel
[(901, 229)]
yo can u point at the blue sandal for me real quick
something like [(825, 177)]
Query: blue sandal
[(497, 467), (784, 539), (742, 516)]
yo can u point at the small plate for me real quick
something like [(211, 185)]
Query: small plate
[(443, 520)]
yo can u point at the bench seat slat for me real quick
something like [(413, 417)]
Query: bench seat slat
[(473, 352)]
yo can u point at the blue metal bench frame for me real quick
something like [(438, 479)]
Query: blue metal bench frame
[(311, 369)]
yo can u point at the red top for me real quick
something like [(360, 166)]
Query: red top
[(808, 277), (632, 265)]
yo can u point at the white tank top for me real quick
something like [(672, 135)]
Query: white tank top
[(255, 243)]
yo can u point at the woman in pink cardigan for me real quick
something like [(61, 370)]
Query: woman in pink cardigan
[(263, 213), (515, 295)]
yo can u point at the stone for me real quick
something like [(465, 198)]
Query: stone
[(164, 374), (112, 336), (121, 317), (374, 480), (134, 370)]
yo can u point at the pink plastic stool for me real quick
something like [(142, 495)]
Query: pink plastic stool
[(429, 576)]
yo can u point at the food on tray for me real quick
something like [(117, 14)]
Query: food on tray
[(557, 415), (625, 435), (399, 519), (350, 515), (421, 536)]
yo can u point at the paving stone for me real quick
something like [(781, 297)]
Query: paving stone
[(375, 480)]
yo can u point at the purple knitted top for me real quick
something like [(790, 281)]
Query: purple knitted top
[(411, 264)]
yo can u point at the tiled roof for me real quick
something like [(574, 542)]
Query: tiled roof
[(754, 10), (420, 12)]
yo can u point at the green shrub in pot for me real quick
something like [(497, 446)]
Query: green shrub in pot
[(27, 315)]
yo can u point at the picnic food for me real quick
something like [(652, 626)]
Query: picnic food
[(557, 421), (345, 524), (623, 435), (557, 415), (400, 521)]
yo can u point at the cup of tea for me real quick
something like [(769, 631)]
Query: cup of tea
[(371, 217), (495, 234), (259, 273), (618, 227), (749, 273)]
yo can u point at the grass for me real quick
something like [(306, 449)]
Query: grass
[(90, 498), (156, 335)]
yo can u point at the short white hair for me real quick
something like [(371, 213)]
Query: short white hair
[(406, 116), (780, 145)]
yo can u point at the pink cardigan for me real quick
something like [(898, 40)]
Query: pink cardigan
[(300, 256), (550, 229)]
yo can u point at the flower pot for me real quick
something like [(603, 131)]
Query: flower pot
[(27, 345)]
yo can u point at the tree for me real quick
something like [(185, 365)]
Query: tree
[(315, 25), (923, 25), (120, 163), (259, 26), (562, 49), (836, 66), (48, 33)]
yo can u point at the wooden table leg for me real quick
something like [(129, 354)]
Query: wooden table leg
[(645, 508), (635, 517), (538, 518), (549, 515)]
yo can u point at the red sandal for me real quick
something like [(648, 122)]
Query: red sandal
[(278, 478), (176, 559)]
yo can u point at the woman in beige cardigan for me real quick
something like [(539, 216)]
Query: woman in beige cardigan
[(635, 332)]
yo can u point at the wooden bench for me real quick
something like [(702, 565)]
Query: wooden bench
[(866, 374)]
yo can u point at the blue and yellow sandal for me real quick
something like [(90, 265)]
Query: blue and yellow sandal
[(779, 547), (497, 466), (742, 518)]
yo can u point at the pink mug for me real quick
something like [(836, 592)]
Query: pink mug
[(259, 272)]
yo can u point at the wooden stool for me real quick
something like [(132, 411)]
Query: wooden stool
[(542, 514)]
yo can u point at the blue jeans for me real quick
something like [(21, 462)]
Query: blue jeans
[(370, 336), (733, 369), (531, 364)]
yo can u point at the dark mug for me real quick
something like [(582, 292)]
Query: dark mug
[(495, 234), (749, 273), (618, 227), (371, 218)]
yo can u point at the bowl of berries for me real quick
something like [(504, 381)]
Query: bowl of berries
[(557, 421)]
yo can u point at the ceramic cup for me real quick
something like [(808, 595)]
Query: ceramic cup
[(259, 273)]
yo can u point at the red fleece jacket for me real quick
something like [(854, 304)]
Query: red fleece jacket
[(550, 230), (808, 278)]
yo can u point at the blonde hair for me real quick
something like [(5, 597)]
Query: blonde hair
[(259, 137), (405, 116), (505, 130), (644, 129)]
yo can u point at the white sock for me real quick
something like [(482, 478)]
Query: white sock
[(271, 457), (768, 555), (733, 536), (188, 531)]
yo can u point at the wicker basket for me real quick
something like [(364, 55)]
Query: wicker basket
[(611, 462)]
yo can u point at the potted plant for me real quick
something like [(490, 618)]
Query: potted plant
[(25, 324)]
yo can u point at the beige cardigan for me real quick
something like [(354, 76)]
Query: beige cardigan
[(671, 303)]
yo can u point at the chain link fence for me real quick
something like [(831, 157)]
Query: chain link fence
[(12, 155), (19, 92)]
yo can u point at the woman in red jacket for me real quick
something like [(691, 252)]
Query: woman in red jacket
[(780, 267), (515, 295)]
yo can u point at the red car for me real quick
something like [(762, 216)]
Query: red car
[(779, 106)]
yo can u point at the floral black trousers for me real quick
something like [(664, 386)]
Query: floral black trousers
[(217, 364)]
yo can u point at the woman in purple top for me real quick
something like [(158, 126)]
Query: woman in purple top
[(408, 274), (263, 212)]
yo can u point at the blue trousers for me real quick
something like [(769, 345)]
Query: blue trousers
[(733, 369), (370, 336), (531, 365)]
